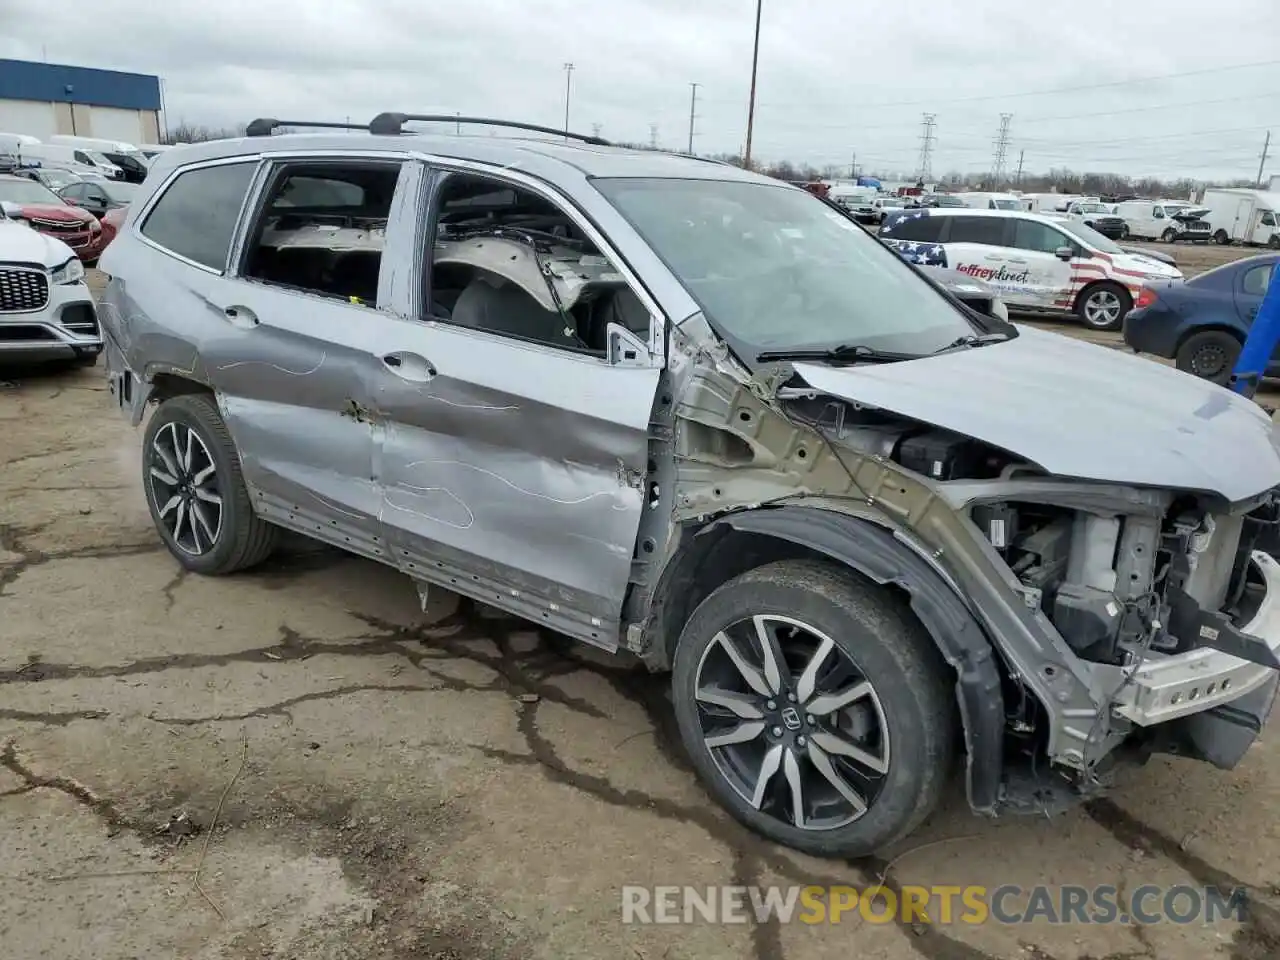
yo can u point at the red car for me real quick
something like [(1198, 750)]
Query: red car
[(48, 213)]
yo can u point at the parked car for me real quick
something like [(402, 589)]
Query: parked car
[(1243, 216), (130, 160), (990, 201), (1038, 262), (51, 177), (61, 154), (46, 311), (1202, 323), (682, 410), (47, 213), (1098, 216), (881, 206), (1167, 220), (98, 198)]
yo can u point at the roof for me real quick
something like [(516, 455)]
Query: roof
[(548, 159), (56, 82)]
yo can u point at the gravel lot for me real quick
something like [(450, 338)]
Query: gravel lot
[(385, 782)]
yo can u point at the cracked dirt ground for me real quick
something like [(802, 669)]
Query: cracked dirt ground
[(447, 784)]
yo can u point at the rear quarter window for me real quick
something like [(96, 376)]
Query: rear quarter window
[(1256, 280), (196, 215)]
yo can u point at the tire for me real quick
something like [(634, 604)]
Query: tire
[(1221, 238), (1102, 306), (1124, 232), (238, 539), (1274, 242), (1169, 236), (1210, 355), (907, 723)]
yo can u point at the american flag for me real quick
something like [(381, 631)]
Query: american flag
[(919, 253)]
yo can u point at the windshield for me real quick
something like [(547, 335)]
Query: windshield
[(118, 191), (945, 200), (1091, 208), (99, 158), (27, 191), (1005, 204), (1172, 208), (1089, 235), (774, 268)]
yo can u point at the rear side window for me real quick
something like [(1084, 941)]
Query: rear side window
[(196, 216), (921, 229), (1257, 279), (984, 230)]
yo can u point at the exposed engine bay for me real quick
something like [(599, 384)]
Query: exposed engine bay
[(1122, 588)]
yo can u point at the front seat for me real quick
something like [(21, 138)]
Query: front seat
[(498, 306)]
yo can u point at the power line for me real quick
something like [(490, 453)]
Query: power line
[(924, 168), (933, 101)]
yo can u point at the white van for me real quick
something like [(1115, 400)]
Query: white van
[(63, 155), (991, 201), (1167, 220), (16, 144), (1246, 216), (1040, 262)]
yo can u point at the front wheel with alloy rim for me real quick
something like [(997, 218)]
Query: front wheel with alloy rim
[(1210, 355), (1170, 235), (1102, 306), (195, 490), (815, 707)]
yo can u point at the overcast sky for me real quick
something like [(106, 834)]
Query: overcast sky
[(836, 77)]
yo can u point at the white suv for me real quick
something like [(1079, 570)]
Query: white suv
[(46, 310), (1038, 262)]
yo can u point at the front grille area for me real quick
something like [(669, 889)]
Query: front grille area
[(58, 226), (80, 319), (24, 333), (1197, 226), (22, 290)]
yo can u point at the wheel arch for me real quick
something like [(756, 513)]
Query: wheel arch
[(1217, 326), (737, 542)]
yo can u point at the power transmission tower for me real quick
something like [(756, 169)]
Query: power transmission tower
[(998, 164), (653, 136), (924, 167), (1266, 144), (595, 129), (693, 104)]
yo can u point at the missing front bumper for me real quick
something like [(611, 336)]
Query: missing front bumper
[(1204, 679)]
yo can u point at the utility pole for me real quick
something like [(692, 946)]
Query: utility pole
[(457, 124), (1266, 144), (653, 136), (568, 80), (751, 103), (853, 167), (693, 103), (1021, 154), (595, 129), (924, 166), (998, 165)]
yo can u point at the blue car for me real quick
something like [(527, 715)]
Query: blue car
[(1201, 323)]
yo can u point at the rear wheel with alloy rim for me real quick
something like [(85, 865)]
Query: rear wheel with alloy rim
[(195, 490), (1102, 306), (815, 707)]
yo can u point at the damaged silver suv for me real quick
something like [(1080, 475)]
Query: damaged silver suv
[(669, 407)]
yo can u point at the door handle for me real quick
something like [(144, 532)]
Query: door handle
[(993, 256), (409, 366), (1013, 260), (240, 316)]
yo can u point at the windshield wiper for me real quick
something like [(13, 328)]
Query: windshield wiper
[(845, 353), (973, 340)]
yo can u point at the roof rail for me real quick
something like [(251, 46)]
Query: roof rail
[(265, 126), (393, 123)]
